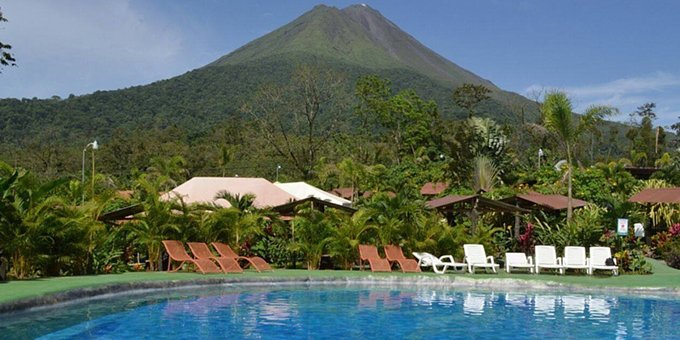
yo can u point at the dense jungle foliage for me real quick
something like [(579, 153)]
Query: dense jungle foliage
[(382, 138)]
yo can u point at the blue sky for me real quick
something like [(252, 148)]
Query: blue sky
[(621, 53)]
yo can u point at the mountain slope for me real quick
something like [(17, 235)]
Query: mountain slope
[(357, 35), (356, 41)]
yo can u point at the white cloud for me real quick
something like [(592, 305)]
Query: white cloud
[(76, 46), (620, 87), (626, 94)]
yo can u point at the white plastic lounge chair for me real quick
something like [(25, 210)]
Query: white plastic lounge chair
[(598, 256), (546, 257), (475, 257), (575, 258), (518, 260), (444, 262)]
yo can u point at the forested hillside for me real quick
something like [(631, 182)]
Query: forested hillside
[(201, 115)]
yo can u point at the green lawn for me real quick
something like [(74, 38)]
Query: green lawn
[(664, 277)]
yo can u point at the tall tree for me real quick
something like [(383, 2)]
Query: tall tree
[(645, 139), (559, 119), (6, 58), (298, 119), (646, 110), (406, 122), (676, 127), (468, 96)]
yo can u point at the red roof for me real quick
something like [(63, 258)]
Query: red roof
[(473, 202), (124, 194), (554, 202), (433, 188), (345, 193), (665, 195), (451, 199)]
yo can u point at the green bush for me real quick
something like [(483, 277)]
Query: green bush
[(633, 262), (584, 230), (672, 253)]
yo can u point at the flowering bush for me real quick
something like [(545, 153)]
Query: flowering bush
[(660, 241), (633, 261), (629, 252), (526, 240), (674, 230)]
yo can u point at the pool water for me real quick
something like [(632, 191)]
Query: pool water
[(352, 311)]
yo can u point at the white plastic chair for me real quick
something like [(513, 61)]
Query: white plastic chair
[(475, 257), (518, 260), (546, 257), (438, 264), (575, 258), (598, 257)]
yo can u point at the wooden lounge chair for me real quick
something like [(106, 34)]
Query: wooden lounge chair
[(176, 252), (438, 264), (368, 253), (394, 254), (201, 251), (575, 258), (256, 262), (546, 257), (475, 257), (598, 259), (518, 260)]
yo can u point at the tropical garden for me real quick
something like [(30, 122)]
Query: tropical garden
[(395, 142)]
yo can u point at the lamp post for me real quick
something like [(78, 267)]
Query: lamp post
[(540, 155), (94, 146), (278, 167)]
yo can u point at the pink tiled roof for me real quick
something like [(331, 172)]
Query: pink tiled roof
[(433, 188), (204, 190)]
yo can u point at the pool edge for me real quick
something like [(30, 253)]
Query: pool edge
[(510, 284)]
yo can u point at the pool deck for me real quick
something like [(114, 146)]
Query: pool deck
[(24, 294)]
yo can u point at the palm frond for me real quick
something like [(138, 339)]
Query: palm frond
[(558, 115)]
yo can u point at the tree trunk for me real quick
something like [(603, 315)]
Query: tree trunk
[(569, 193)]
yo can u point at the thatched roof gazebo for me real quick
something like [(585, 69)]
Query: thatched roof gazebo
[(660, 195), (536, 201)]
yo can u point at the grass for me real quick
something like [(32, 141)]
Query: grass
[(664, 277)]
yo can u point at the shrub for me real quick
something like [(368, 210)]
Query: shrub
[(671, 253), (659, 242), (633, 261), (526, 240), (673, 258), (584, 230), (674, 230)]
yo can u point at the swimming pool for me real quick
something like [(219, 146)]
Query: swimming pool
[(315, 311)]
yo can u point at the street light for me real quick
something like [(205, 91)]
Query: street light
[(540, 154), (278, 167), (94, 146)]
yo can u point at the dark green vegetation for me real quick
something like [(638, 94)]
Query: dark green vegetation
[(195, 114), (386, 126)]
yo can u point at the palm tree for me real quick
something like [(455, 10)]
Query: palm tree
[(559, 118), (158, 222), (486, 175), (168, 170), (242, 203), (28, 211), (347, 234), (312, 234), (242, 219), (397, 217)]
